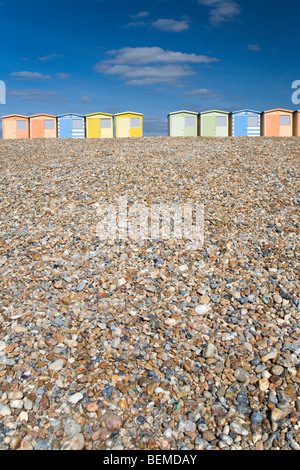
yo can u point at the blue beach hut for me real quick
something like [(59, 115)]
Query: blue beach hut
[(70, 126), (245, 122)]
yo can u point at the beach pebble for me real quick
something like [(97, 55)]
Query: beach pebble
[(117, 342)]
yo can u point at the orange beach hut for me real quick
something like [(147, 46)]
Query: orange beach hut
[(277, 123), (43, 126), (15, 126)]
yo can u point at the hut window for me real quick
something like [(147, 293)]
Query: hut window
[(105, 124), (252, 121), (77, 124), (21, 125), (285, 120), (190, 121), (221, 121), (48, 124), (134, 122)]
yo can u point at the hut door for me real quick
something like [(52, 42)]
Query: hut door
[(94, 128), (22, 131), (209, 126), (124, 127), (240, 125), (106, 128), (272, 125), (221, 123), (65, 128), (37, 128), (11, 129)]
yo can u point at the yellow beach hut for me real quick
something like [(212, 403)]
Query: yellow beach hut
[(100, 125), (129, 124)]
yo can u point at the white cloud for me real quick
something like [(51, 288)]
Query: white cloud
[(163, 24), (148, 55), (171, 25), (254, 47), (33, 94), (85, 99), (141, 14), (64, 76), (221, 10), (25, 75), (204, 93), (136, 24), (136, 75), (150, 65), (46, 58)]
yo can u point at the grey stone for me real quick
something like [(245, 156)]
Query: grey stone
[(107, 392), (226, 438), (256, 417), (43, 444), (238, 429), (242, 398), (58, 322), (81, 286), (241, 375), (186, 425), (199, 441)]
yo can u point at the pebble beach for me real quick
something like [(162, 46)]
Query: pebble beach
[(124, 344)]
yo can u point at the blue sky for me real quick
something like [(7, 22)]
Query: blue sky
[(151, 56)]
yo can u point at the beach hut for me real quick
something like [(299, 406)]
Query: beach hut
[(245, 122), (70, 126), (99, 125), (129, 124), (183, 124), (297, 123), (277, 123), (214, 123), (43, 126), (15, 126)]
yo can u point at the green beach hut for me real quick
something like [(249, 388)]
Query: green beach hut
[(183, 124), (214, 123)]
